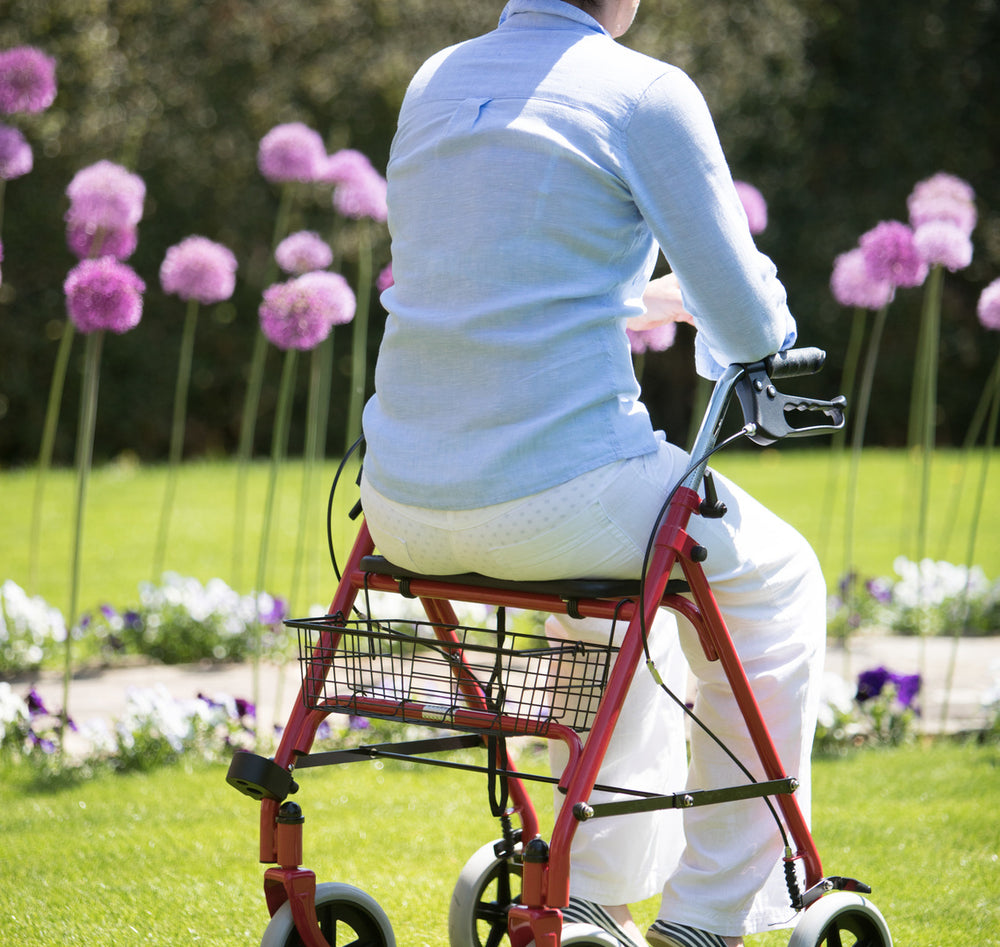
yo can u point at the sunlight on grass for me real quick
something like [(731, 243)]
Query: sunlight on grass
[(170, 857), (124, 501)]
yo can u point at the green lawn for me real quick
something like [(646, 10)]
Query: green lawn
[(124, 502), (169, 858)]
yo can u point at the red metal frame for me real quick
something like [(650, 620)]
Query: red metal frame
[(545, 883)]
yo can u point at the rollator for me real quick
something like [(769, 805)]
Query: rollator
[(485, 685)]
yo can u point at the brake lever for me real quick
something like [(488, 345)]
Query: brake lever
[(766, 410)]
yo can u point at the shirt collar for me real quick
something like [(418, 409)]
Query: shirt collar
[(558, 8)]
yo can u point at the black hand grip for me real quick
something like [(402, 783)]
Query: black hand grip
[(804, 361)]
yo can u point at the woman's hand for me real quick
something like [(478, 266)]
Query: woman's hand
[(663, 303)]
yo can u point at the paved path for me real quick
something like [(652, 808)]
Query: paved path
[(103, 693)]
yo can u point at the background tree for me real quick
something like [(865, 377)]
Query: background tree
[(832, 109)]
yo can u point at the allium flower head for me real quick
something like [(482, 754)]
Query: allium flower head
[(85, 242), (754, 204), (942, 243), (291, 152), (105, 196), (16, 158), (360, 189), (851, 284), (303, 252), (104, 294), (943, 197), (890, 254), (385, 280), (988, 308), (27, 80), (300, 313), (199, 268), (656, 339)]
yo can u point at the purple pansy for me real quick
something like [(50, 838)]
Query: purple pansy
[(27, 80), (852, 285), (292, 152), (16, 158), (104, 294), (988, 307), (890, 254), (754, 204), (199, 268), (303, 252), (907, 688)]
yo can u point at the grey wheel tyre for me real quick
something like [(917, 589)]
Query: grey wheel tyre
[(347, 916), (484, 892), (841, 919), (585, 935)]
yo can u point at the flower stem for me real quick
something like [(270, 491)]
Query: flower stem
[(928, 415), (48, 443), (176, 433), (84, 457), (857, 442), (359, 340), (279, 443), (847, 382), (991, 432), (251, 401)]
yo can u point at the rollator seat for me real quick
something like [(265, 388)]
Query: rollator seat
[(565, 589)]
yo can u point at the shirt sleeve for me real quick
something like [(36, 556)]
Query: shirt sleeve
[(682, 186)]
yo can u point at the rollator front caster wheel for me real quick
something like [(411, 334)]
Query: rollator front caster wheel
[(841, 919), (484, 893), (347, 916)]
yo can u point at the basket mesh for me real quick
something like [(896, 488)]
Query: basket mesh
[(473, 680)]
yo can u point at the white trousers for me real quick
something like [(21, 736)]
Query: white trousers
[(719, 867)]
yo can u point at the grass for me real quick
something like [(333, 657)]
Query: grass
[(124, 501), (169, 857)]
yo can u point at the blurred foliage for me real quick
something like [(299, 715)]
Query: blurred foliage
[(833, 109)]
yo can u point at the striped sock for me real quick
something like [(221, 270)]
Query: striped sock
[(667, 934)]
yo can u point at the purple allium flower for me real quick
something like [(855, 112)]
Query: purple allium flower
[(988, 307), (754, 204), (384, 279), (85, 242), (16, 158), (942, 243), (943, 197), (891, 255), (199, 268), (105, 196), (851, 284), (300, 313), (360, 189), (907, 687), (292, 152), (303, 252), (104, 294), (871, 683), (656, 339), (27, 80)]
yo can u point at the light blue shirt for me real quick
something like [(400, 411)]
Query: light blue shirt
[(535, 173)]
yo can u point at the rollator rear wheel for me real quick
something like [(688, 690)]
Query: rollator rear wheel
[(585, 935), (841, 919), (347, 916), (484, 893)]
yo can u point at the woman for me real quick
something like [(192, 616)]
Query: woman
[(535, 175)]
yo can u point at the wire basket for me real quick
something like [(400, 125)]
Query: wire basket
[(454, 677)]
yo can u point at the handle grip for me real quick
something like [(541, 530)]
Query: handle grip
[(767, 411)]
